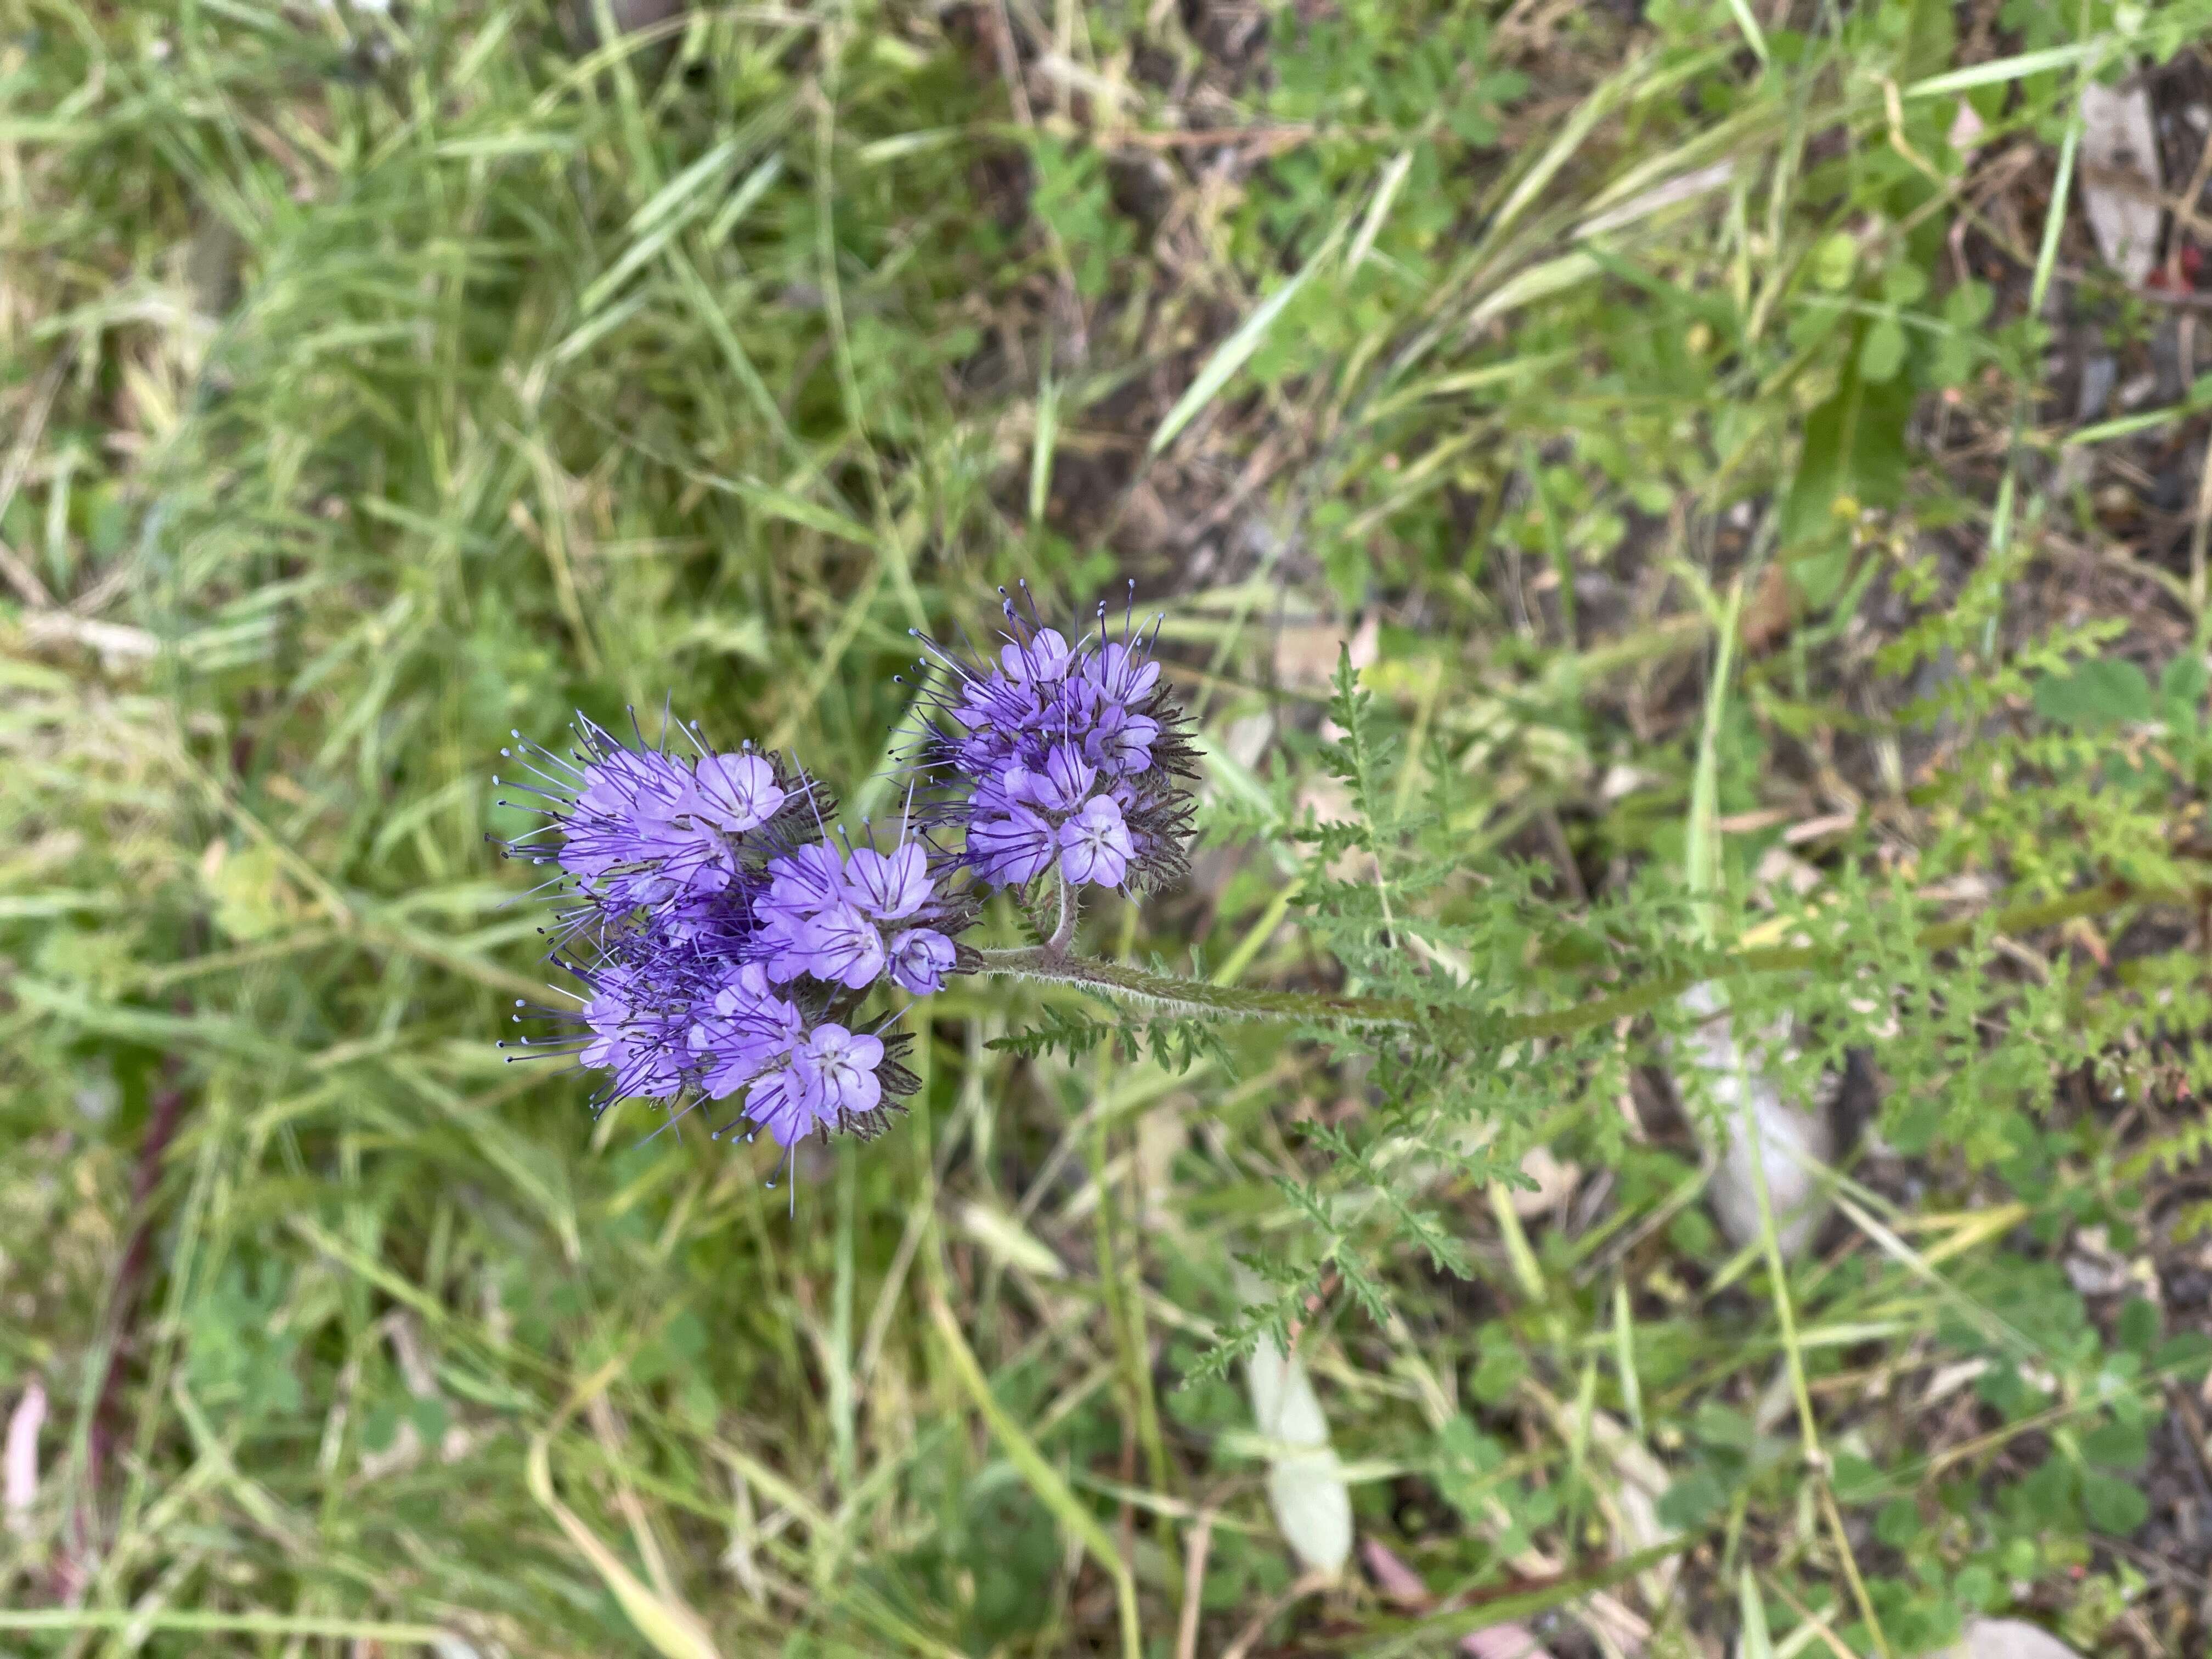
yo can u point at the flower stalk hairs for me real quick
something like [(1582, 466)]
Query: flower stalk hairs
[(730, 946)]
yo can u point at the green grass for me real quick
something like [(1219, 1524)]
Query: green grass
[(377, 385)]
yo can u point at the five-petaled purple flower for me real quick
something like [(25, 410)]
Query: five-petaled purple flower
[(828, 1082), (1094, 844)]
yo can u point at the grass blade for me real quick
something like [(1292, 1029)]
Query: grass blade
[(1233, 353), (1043, 1480), (674, 1631)]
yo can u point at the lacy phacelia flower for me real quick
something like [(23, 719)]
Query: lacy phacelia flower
[(836, 919), (797, 1079), (722, 955), (1060, 757), (631, 1033), (1094, 844), (744, 1030), (640, 828)]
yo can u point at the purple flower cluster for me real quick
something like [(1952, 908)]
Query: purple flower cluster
[(1060, 758), (724, 944), (670, 1023), (727, 943)]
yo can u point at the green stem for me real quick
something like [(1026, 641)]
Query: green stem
[(1040, 962), (1165, 991)]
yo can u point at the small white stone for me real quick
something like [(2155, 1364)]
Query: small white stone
[(2008, 1638)]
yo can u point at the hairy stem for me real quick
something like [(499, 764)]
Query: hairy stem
[(1040, 962), (1069, 910), (1165, 991)]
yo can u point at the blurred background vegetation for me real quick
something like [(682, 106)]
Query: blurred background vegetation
[(379, 379)]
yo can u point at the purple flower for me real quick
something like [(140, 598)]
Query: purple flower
[(802, 885), (732, 792), (1011, 850), (1065, 782), (1041, 659), (625, 814), (840, 945), (826, 917), (1121, 742), (778, 1104), (638, 828), (1095, 845), (835, 1079), (627, 1035), (921, 958), (890, 887), (748, 1030), (836, 1072), (805, 887), (643, 784), (721, 956), (830, 1079), (1119, 675)]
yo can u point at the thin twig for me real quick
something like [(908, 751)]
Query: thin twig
[(1299, 1588), (1196, 1547)]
